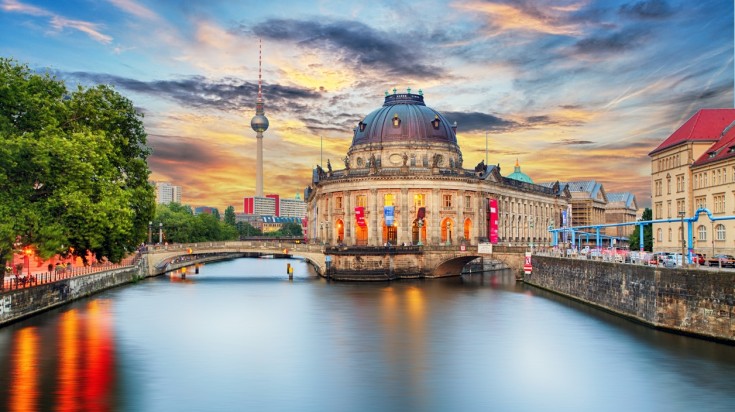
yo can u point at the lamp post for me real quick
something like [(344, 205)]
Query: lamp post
[(449, 232), (683, 242), (421, 225), (150, 227), (160, 233)]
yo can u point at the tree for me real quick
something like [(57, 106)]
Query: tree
[(73, 167), (215, 213), (230, 216), (245, 229), (290, 229), (634, 239)]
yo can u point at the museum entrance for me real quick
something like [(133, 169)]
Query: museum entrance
[(390, 234), (361, 235), (418, 232)]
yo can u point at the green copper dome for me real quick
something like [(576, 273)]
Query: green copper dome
[(518, 175)]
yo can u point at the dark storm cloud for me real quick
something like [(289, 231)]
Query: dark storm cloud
[(168, 150), (475, 121), (612, 43), (650, 9), (200, 92), (359, 45), (574, 142)]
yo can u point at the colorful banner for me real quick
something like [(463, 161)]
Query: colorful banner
[(421, 213), (388, 215), (492, 206), (360, 216)]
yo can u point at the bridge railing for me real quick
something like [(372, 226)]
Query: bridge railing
[(260, 244)]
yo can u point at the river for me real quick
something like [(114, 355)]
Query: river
[(241, 336)]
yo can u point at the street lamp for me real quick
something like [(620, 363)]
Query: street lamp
[(160, 233), (150, 227), (683, 242), (421, 225), (449, 232)]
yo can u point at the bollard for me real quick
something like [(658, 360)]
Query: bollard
[(288, 268), (183, 273), (196, 269), (290, 271)]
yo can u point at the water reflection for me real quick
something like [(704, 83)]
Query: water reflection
[(24, 396)]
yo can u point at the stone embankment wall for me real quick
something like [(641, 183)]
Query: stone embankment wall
[(690, 301), (21, 303)]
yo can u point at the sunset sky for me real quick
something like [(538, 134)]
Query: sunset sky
[(575, 90)]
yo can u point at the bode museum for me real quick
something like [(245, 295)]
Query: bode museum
[(404, 183)]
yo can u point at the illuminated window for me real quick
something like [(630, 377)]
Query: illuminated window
[(419, 200), (361, 201)]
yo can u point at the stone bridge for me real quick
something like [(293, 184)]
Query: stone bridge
[(341, 263)]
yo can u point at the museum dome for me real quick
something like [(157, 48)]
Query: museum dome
[(404, 118), (518, 175)]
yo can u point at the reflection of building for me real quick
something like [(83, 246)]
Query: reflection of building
[(167, 193), (695, 167), (404, 182)]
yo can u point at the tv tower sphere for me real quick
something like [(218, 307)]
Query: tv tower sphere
[(259, 123)]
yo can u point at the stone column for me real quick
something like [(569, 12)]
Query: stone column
[(405, 234), (330, 224), (373, 239), (434, 234), (459, 226), (349, 219)]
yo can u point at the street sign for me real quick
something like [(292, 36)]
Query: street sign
[(527, 264)]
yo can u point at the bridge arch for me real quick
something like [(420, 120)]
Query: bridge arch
[(452, 266)]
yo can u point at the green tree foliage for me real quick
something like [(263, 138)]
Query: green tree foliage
[(290, 229), (634, 239), (180, 225), (245, 229), (230, 216), (72, 167), (215, 213)]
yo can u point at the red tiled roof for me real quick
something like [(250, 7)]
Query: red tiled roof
[(720, 150), (705, 125)]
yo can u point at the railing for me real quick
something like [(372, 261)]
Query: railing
[(21, 281)]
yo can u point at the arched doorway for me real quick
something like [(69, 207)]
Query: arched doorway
[(446, 228), (361, 235), (390, 234), (468, 230), (339, 227), (418, 232)]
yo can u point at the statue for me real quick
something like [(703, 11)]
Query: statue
[(435, 160), (373, 161), (329, 167), (480, 166), (405, 159), (347, 162)]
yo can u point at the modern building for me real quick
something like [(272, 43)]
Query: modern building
[(695, 167), (292, 207), (260, 205), (206, 209), (404, 181), (167, 193)]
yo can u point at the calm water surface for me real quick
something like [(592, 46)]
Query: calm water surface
[(241, 336)]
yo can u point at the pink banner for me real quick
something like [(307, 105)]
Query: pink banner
[(360, 216), (492, 215)]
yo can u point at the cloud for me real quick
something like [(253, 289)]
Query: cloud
[(526, 16), (647, 9), (612, 43), (574, 142), (135, 9), (58, 22), (355, 44), (475, 121), (199, 92)]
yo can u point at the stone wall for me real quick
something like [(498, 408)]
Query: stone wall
[(21, 303), (690, 301)]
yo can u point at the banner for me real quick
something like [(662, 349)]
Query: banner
[(564, 223), (360, 216), (421, 213), (388, 214), (492, 212)]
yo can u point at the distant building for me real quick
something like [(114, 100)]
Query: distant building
[(621, 208), (205, 209), (293, 207), (167, 193), (273, 223), (260, 206)]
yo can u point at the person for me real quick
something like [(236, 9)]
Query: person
[(50, 267)]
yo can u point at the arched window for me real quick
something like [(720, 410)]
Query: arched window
[(468, 230), (720, 230), (702, 233)]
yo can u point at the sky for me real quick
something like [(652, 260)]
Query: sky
[(574, 90)]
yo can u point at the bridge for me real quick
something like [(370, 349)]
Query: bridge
[(337, 262)]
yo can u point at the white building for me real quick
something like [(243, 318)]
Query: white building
[(293, 207), (167, 193)]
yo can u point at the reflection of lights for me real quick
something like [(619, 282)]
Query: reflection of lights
[(68, 389), (24, 393), (416, 307), (98, 356)]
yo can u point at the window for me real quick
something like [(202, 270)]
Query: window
[(679, 206), (700, 202), (659, 235), (658, 208), (468, 202), (719, 202), (702, 233), (657, 187), (338, 202), (419, 200), (704, 179), (447, 201), (668, 185), (720, 231), (668, 209), (361, 201)]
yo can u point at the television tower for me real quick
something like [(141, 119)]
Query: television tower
[(259, 123)]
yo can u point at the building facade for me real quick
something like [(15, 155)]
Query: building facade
[(293, 207), (167, 193), (695, 167), (260, 206), (403, 182), (622, 207)]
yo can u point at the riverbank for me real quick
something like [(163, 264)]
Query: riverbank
[(693, 302)]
